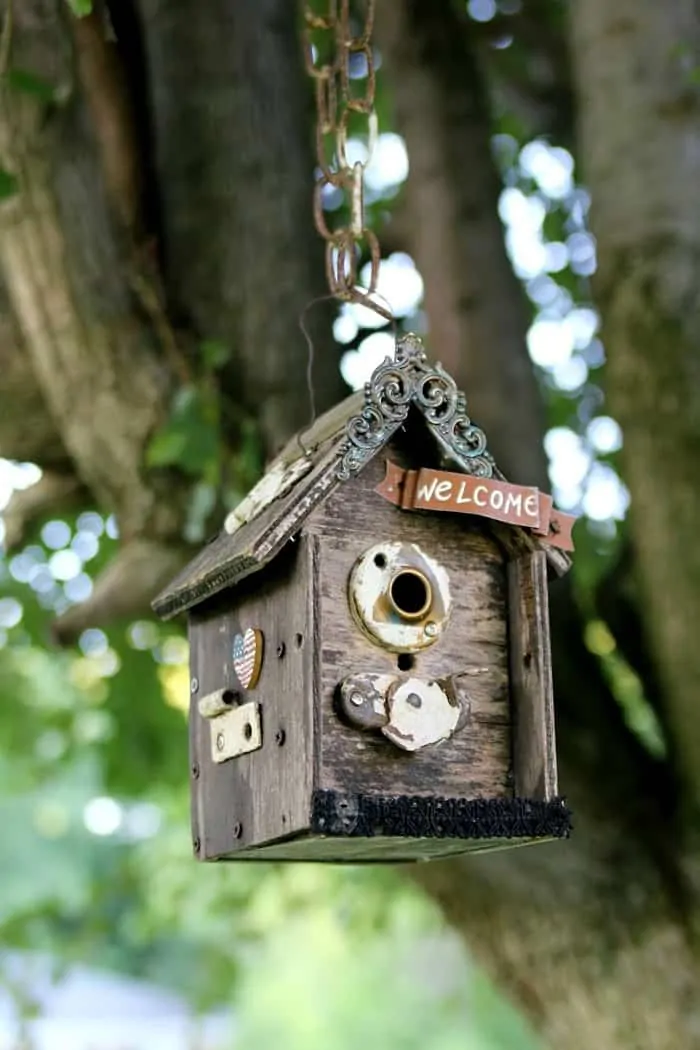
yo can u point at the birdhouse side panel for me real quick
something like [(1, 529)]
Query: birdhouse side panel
[(403, 711), (259, 628), (534, 750)]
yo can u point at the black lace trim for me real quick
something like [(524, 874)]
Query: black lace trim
[(415, 816)]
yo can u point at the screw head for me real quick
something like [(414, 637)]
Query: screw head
[(220, 741), (237, 830), (281, 650), (195, 771), (196, 845), (431, 629), (357, 699), (194, 685), (280, 737)]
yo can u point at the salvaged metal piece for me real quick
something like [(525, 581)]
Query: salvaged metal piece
[(400, 596), (443, 490), (411, 713), (403, 709), (247, 657), (362, 699), (393, 388), (421, 714), (234, 729)]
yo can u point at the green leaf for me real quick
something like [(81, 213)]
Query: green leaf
[(150, 737), (166, 448), (214, 354), (80, 8), (30, 84), (9, 185), (190, 439), (553, 226)]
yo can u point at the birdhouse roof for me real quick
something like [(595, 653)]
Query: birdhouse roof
[(337, 447)]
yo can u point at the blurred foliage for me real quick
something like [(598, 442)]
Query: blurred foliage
[(96, 853), (397, 992), (8, 184), (197, 439), (81, 8), (30, 84)]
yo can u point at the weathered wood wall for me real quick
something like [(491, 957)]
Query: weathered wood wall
[(477, 760), (266, 794)]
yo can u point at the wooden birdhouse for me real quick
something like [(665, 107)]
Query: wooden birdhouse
[(369, 637)]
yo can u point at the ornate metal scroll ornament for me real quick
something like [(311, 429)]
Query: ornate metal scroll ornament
[(387, 401), (464, 442), (393, 387)]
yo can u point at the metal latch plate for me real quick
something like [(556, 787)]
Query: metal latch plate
[(236, 732)]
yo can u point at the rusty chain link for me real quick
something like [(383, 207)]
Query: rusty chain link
[(329, 47)]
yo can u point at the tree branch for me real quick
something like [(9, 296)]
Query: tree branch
[(52, 493), (105, 88), (94, 361), (27, 431), (123, 592), (97, 370)]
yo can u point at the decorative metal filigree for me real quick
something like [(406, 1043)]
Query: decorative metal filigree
[(387, 401), (392, 389), (464, 442)]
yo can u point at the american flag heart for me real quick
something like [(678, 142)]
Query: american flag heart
[(247, 657)]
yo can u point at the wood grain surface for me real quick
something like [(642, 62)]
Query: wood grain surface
[(534, 753), (477, 760), (377, 850), (260, 796)]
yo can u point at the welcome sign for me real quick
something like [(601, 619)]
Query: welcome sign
[(442, 490)]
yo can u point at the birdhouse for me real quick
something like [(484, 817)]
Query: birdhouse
[(369, 642)]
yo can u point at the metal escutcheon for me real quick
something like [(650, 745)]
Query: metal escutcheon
[(400, 596)]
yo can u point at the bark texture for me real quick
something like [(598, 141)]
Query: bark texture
[(232, 155), (455, 234), (593, 938), (152, 215), (639, 125)]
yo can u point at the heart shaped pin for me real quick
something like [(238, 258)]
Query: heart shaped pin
[(247, 657)]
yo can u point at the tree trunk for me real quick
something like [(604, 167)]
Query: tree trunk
[(636, 68), (152, 215), (476, 308), (583, 938), (591, 937), (232, 155)]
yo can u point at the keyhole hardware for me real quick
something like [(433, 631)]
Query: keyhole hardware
[(410, 594)]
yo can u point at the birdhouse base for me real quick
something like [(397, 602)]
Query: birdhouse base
[(379, 829)]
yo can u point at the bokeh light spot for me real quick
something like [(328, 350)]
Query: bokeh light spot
[(102, 816)]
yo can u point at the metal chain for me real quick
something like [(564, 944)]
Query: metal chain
[(329, 50)]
